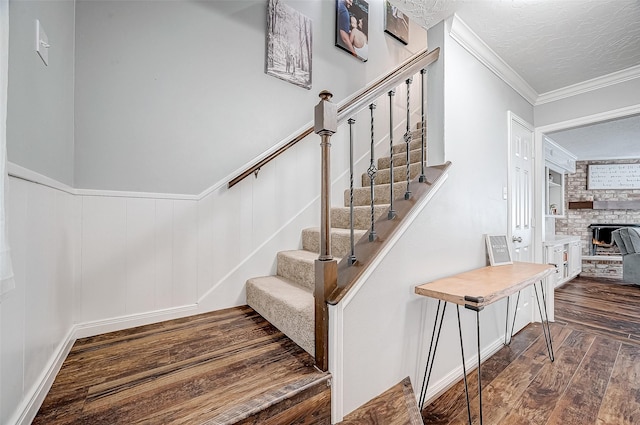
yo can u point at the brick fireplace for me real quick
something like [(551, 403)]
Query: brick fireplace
[(599, 261)]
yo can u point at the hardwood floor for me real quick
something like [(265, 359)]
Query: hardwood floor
[(396, 406), (595, 378), (226, 367)]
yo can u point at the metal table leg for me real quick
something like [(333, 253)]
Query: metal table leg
[(432, 352), (544, 318)]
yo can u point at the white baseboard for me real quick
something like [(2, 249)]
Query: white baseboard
[(437, 388), (87, 329), (34, 398)]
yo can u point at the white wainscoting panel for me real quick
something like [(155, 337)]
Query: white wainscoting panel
[(140, 253), (164, 253), (185, 252), (104, 292), (37, 316)]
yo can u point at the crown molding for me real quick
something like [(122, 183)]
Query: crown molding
[(590, 85), (468, 39)]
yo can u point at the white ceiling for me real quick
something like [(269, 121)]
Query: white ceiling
[(553, 44)]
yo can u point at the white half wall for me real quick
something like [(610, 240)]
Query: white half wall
[(36, 318), (387, 327)]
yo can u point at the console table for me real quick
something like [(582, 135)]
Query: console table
[(474, 290)]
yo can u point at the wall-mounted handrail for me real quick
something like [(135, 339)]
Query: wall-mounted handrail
[(353, 104)]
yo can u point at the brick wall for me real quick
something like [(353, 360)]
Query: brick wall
[(576, 221)]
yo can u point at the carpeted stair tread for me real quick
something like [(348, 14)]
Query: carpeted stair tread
[(340, 216), (340, 240), (298, 266), (288, 306), (400, 159), (399, 174)]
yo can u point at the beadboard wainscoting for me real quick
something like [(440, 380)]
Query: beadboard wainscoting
[(88, 262)]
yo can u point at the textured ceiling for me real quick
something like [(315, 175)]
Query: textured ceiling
[(550, 43), (553, 44)]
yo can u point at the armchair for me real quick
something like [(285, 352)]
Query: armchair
[(628, 241)]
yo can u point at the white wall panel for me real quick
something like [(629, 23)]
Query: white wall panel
[(206, 220), (140, 254), (12, 319), (164, 253), (185, 252), (40, 246), (103, 261)]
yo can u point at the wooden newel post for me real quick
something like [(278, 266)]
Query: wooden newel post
[(325, 125)]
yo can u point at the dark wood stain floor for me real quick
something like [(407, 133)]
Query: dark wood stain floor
[(229, 366), (595, 379)]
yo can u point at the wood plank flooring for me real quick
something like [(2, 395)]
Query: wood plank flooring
[(226, 367), (595, 379), (396, 406)]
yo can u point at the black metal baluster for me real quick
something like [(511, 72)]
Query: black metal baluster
[(423, 128), (407, 139), (371, 172), (352, 257), (392, 212)]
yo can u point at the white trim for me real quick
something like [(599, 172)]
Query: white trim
[(97, 327), (336, 361), (22, 173), (468, 39), (26, 413), (590, 119), (125, 194), (590, 85)]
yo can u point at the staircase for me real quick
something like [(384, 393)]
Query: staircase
[(286, 299)]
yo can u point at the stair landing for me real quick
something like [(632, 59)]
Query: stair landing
[(226, 367)]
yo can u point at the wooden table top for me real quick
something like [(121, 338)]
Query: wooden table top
[(486, 285)]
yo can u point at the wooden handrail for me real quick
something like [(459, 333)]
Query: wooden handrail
[(355, 103)]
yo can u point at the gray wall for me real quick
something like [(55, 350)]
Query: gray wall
[(172, 96), (40, 98)]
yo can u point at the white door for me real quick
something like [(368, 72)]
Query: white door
[(520, 205)]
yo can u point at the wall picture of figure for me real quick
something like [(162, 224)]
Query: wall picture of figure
[(396, 23), (288, 44), (352, 27)]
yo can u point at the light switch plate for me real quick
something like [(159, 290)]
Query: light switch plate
[(42, 43)]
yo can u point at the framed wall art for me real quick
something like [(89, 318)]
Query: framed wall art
[(498, 250), (289, 44), (352, 27), (396, 23)]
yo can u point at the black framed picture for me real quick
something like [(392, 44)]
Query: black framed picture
[(352, 27), (396, 23), (289, 44)]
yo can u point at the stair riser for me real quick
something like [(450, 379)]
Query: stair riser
[(399, 175), (300, 271), (415, 143), (340, 243), (381, 195), (400, 159), (296, 324), (361, 216)]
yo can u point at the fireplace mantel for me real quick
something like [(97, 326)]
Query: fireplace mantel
[(604, 205)]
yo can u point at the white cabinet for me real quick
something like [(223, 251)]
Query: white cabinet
[(554, 192), (558, 162), (566, 253)]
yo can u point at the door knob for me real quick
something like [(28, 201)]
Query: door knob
[(516, 239)]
